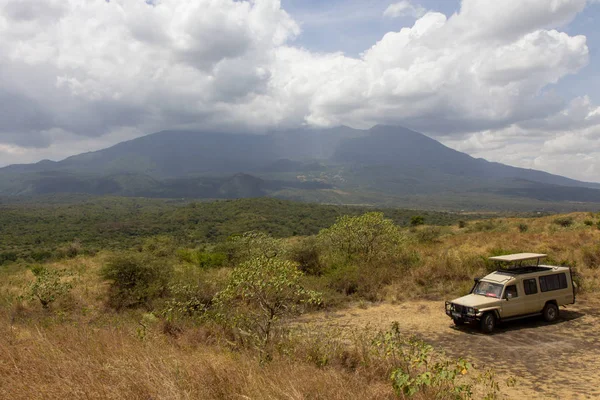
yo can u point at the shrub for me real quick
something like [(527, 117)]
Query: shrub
[(417, 368), (591, 256), (202, 259), (8, 256), (523, 228), (241, 248), (483, 226), (70, 250), (345, 280), (308, 258), (588, 222), (40, 255), (135, 279), (49, 285), (187, 301), (159, 246), (366, 280), (417, 220), (260, 293), (462, 224), (429, 234), (362, 238), (565, 222)]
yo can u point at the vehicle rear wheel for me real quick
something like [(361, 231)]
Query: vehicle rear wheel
[(459, 322), (550, 312), (488, 323)]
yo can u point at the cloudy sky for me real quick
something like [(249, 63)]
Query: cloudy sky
[(515, 81)]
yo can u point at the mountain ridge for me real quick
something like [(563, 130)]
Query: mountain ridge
[(384, 163)]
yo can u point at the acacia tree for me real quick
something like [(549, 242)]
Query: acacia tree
[(364, 237), (261, 292)]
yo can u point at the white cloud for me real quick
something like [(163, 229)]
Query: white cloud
[(103, 71), (404, 8), (567, 143)]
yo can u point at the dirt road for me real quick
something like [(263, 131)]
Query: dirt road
[(560, 360)]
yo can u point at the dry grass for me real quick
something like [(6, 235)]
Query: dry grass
[(76, 362), (448, 265), (82, 350)]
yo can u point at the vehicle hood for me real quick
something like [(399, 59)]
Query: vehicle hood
[(476, 300)]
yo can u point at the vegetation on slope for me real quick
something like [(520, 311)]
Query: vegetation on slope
[(166, 317), (46, 228)]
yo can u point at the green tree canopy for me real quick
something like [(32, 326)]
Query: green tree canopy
[(365, 237)]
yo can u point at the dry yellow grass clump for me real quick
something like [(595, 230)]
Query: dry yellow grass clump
[(77, 361)]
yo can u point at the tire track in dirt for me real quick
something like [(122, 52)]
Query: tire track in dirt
[(560, 360)]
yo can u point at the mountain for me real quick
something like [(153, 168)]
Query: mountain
[(383, 165), (402, 148)]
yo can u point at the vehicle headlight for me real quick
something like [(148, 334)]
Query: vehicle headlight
[(471, 311), (448, 306)]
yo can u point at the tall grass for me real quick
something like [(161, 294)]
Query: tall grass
[(80, 348)]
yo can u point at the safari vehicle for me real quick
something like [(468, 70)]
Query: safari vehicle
[(520, 290)]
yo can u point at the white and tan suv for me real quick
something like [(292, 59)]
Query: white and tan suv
[(526, 288)]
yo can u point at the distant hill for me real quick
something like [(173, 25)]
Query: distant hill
[(385, 165)]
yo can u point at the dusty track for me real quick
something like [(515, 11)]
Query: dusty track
[(560, 360)]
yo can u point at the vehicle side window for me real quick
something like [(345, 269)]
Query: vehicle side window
[(510, 292), (530, 286), (553, 282)]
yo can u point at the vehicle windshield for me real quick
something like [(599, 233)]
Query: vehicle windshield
[(488, 289)]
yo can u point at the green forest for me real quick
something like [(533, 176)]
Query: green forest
[(52, 227)]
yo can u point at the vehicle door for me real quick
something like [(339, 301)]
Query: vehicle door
[(512, 304), (532, 301)]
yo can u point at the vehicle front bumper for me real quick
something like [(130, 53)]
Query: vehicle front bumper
[(459, 312)]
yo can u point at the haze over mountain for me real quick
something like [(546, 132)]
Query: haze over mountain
[(384, 164)]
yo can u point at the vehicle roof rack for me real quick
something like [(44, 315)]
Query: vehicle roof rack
[(519, 258), (523, 270)]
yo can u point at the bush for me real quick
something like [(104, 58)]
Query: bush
[(363, 238), (591, 256), (462, 224), (202, 259), (8, 256), (483, 226), (135, 279), (187, 301), (523, 228), (418, 369), (429, 234), (260, 293), (49, 285), (241, 248), (308, 258), (565, 222), (40, 255), (588, 222), (70, 250), (417, 220), (159, 246), (366, 280)]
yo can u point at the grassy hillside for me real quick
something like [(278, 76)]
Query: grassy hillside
[(163, 318)]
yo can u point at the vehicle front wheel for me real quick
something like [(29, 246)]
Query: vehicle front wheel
[(550, 312), (459, 322), (488, 323)]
